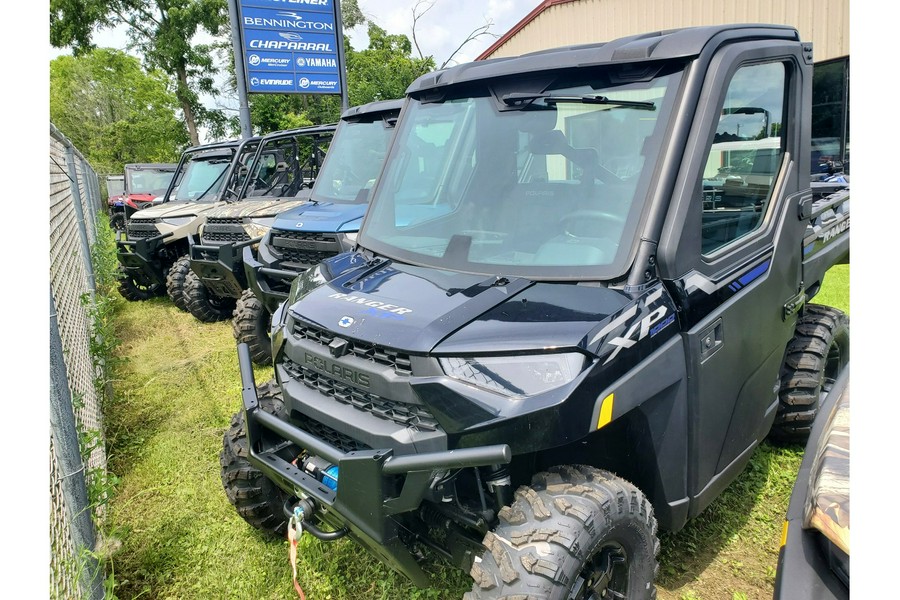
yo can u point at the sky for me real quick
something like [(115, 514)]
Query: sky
[(439, 31), (446, 24)]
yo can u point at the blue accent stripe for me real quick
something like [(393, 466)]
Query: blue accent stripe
[(809, 249), (755, 272)]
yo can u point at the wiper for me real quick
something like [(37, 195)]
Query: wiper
[(523, 99), (600, 100)]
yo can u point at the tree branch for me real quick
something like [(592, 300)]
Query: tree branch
[(416, 16), (474, 35)]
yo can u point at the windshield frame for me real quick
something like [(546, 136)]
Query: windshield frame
[(131, 171), (338, 149), (320, 136), (215, 188), (611, 79)]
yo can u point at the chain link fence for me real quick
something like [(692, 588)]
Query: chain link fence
[(75, 413)]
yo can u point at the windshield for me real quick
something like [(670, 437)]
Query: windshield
[(286, 166), (203, 179), (115, 186), (354, 161), (542, 185), (148, 181)]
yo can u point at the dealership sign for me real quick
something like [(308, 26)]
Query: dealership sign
[(290, 46)]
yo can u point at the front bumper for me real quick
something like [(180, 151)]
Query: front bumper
[(269, 284), (220, 267), (284, 254), (140, 258), (375, 485)]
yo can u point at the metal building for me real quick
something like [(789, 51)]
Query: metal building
[(826, 23)]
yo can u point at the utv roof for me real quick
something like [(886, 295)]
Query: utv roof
[(661, 45), (221, 148), (313, 130), (372, 107), (154, 166)]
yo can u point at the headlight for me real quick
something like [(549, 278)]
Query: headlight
[(178, 221), (264, 222), (303, 284), (351, 237), (516, 376), (258, 227)]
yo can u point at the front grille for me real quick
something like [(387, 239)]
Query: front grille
[(408, 415), (306, 257), (342, 442), (142, 228), (223, 231), (304, 248), (379, 354), (225, 237), (307, 236)]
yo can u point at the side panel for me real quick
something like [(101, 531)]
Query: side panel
[(646, 441)]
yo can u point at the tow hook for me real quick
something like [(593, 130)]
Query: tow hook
[(303, 511)]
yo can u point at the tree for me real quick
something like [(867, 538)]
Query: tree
[(163, 31), (385, 69), (113, 111)]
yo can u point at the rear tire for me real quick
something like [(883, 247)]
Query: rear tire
[(576, 532), (175, 281), (257, 499), (251, 326), (818, 352), (134, 291), (117, 221), (202, 303)]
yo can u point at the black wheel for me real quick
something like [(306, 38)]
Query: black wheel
[(259, 501), (251, 325), (818, 352), (202, 303), (117, 221), (175, 281), (134, 290), (577, 533)]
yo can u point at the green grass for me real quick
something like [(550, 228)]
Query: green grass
[(836, 289), (178, 537)]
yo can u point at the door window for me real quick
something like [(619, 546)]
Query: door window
[(745, 156)]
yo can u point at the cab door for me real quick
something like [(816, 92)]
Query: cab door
[(731, 252)]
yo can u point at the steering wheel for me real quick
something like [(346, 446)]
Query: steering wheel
[(604, 220)]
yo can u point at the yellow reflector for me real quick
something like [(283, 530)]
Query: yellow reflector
[(784, 530), (605, 411)]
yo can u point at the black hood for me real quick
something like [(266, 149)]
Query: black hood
[(423, 310)]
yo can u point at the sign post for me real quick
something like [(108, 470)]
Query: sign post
[(240, 76), (291, 47)]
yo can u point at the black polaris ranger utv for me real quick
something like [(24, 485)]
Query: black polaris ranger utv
[(577, 304), (327, 225)]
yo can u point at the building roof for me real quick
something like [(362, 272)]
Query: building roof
[(520, 26)]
